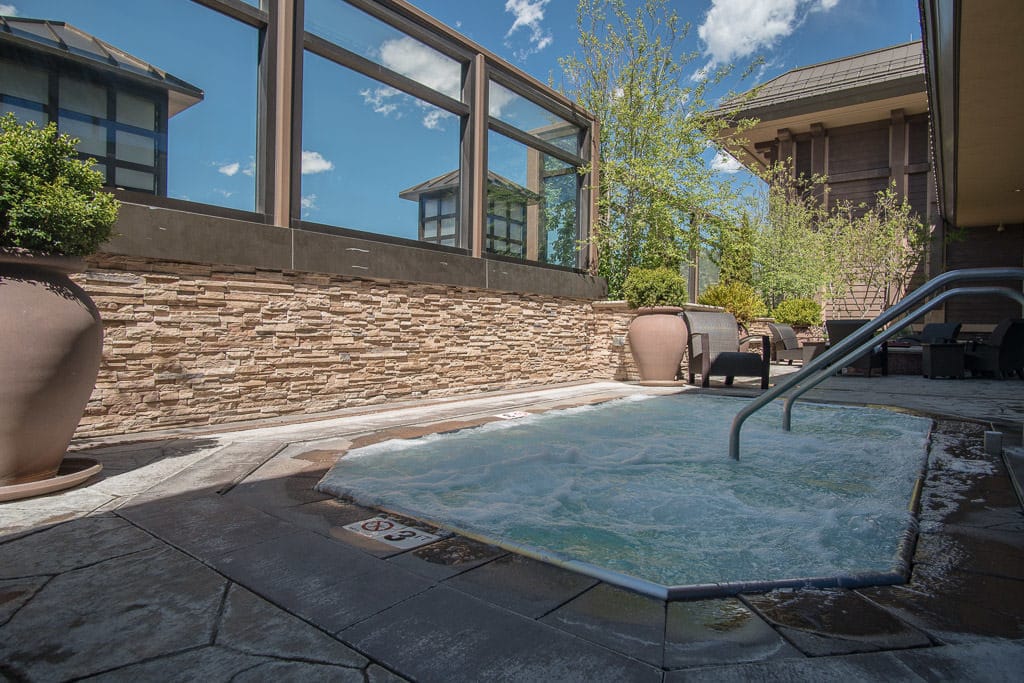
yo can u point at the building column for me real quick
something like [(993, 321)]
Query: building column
[(818, 142), (898, 151), (281, 164), (785, 138), (476, 210)]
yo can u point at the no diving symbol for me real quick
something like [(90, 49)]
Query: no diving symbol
[(375, 525)]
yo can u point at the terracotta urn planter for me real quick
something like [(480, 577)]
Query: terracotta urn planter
[(51, 341), (657, 338)]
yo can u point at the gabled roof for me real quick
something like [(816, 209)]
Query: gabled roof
[(450, 181), (60, 39), (849, 80)]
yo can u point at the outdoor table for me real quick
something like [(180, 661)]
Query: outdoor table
[(942, 360)]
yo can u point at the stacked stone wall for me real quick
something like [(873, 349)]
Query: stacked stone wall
[(189, 344)]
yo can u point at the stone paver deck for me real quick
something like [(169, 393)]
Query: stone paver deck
[(208, 555)]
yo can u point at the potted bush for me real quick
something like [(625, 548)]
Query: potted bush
[(738, 298), (657, 335), (52, 212)]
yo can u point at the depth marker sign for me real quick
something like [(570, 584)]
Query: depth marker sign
[(391, 532)]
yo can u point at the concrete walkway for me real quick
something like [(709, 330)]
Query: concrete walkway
[(207, 555)]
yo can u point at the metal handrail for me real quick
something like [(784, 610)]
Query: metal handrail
[(864, 335), (822, 375)]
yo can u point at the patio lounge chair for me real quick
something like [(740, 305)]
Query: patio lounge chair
[(1002, 354), (934, 333), (785, 345), (838, 330), (716, 349)]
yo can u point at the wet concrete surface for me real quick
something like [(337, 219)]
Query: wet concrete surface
[(211, 557)]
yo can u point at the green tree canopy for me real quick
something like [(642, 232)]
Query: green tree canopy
[(656, 188)]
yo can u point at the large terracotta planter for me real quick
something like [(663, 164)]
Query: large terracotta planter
[(657, 338), (51, 341)]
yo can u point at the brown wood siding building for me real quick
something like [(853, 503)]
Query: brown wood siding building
[(862, 122)]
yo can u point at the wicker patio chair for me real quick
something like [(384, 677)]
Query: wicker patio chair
[(837, 330), (785, 345), (1003, 353), (716, 349)]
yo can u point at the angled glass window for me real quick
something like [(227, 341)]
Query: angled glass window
[(515, 110), (83, 97), (532, 204), (92, 137), (375, 159), (358, 32), (161, 115), (136, 111)]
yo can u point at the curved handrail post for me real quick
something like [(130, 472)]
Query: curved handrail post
[(861, 335)]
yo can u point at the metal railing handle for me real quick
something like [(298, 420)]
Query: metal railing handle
[(822, 375), (862, 335)]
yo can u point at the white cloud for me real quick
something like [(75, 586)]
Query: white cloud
[(422, 64), (314, 162), (308, 203), (230, 169), (498, 99), (379, 99), (529, 14), (433, 118), (725, 163), (8, 10), (737, 28)]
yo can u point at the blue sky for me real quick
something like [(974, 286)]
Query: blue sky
[(364, 143)]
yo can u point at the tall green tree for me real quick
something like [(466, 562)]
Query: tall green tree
[(656, 188), (874, 250), (788, 245)]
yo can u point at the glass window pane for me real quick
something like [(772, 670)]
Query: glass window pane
[(26, 82), (138, 149), (211, 131), (559, 218), (447, 227), (448, 203), (430, 206), (136, 111), (430, 229), (369, 37), (516, 110), (24, 114), (373, 172), (135, 180), (92, 137), (82, 97), (523, 177)]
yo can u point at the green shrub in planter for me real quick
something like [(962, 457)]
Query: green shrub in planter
[(654, 287), (801, 312), (50, 201), (736, 297)]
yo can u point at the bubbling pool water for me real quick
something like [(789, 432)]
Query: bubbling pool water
[(645, 488)]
